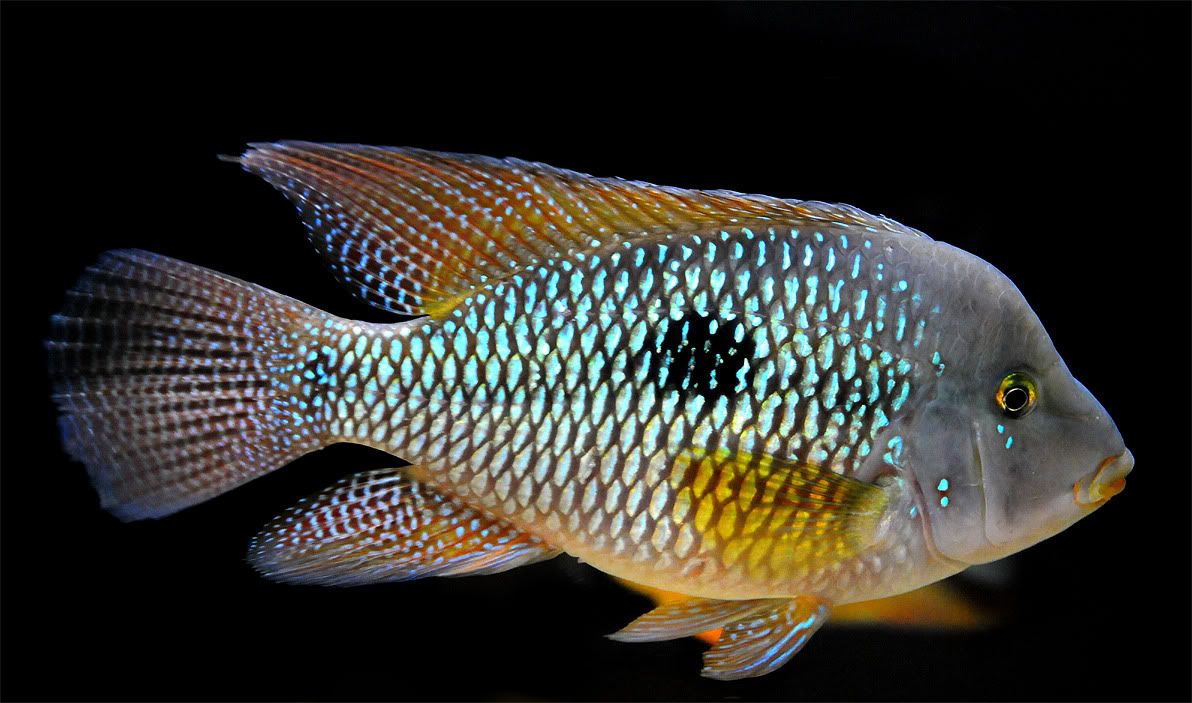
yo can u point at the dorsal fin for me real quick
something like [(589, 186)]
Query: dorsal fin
[(413, 231)]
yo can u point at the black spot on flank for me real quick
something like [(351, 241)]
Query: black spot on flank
[(701, 355)]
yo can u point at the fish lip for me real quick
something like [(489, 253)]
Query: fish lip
[(1104, 482)]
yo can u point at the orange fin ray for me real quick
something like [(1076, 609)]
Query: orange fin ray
[(385, 526)]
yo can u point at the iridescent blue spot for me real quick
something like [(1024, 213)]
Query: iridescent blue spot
[(944, 502), (647, 283), (716, 278), (834, 295), (812, 285), (742, 283), (1009, 441), (942, 485), (859, 308)]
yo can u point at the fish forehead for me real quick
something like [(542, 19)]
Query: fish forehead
[(561, 397)]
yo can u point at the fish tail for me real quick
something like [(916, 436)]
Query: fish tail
[(176, 383)]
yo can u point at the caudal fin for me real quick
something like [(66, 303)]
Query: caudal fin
[(177, 383)]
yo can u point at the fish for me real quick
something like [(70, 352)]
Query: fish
[(772, 407)]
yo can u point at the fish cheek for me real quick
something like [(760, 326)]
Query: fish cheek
[(947, 465), (1006, 497)]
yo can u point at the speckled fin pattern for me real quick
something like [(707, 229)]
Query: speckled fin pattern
[(758, 635), (385, 526), (414, 231), (173, 381), (764, 640)]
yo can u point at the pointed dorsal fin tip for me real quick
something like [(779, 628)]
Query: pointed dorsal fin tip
[(415, 231)]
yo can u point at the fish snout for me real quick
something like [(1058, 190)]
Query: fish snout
[(1105, 482)]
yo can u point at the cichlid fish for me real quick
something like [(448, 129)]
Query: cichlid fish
[(770, 406)]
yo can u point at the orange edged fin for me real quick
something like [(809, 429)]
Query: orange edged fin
[(167, 376), (413, 231), (385, 526), (765, 640), (661, 597)]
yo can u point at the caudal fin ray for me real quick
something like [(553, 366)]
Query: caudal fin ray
[(167, 376)]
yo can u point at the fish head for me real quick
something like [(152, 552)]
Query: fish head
[(1010, 449)]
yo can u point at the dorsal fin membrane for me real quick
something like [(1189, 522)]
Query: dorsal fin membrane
[(413, 231)]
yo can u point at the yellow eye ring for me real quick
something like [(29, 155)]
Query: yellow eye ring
[(1016, 395)]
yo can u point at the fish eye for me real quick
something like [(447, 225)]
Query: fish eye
[(1016, 395)]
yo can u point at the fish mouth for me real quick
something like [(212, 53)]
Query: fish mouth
[(1105, 482)]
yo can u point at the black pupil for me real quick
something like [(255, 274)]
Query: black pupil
[(1016, 398)]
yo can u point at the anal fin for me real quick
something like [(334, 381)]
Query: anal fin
[(386, 526)]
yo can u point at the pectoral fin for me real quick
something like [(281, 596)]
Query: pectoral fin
[(385, 526), (795, 513)]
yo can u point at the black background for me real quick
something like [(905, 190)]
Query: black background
[(1051, 140)]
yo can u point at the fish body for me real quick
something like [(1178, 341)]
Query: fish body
[(771, 407), (568, 400)]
